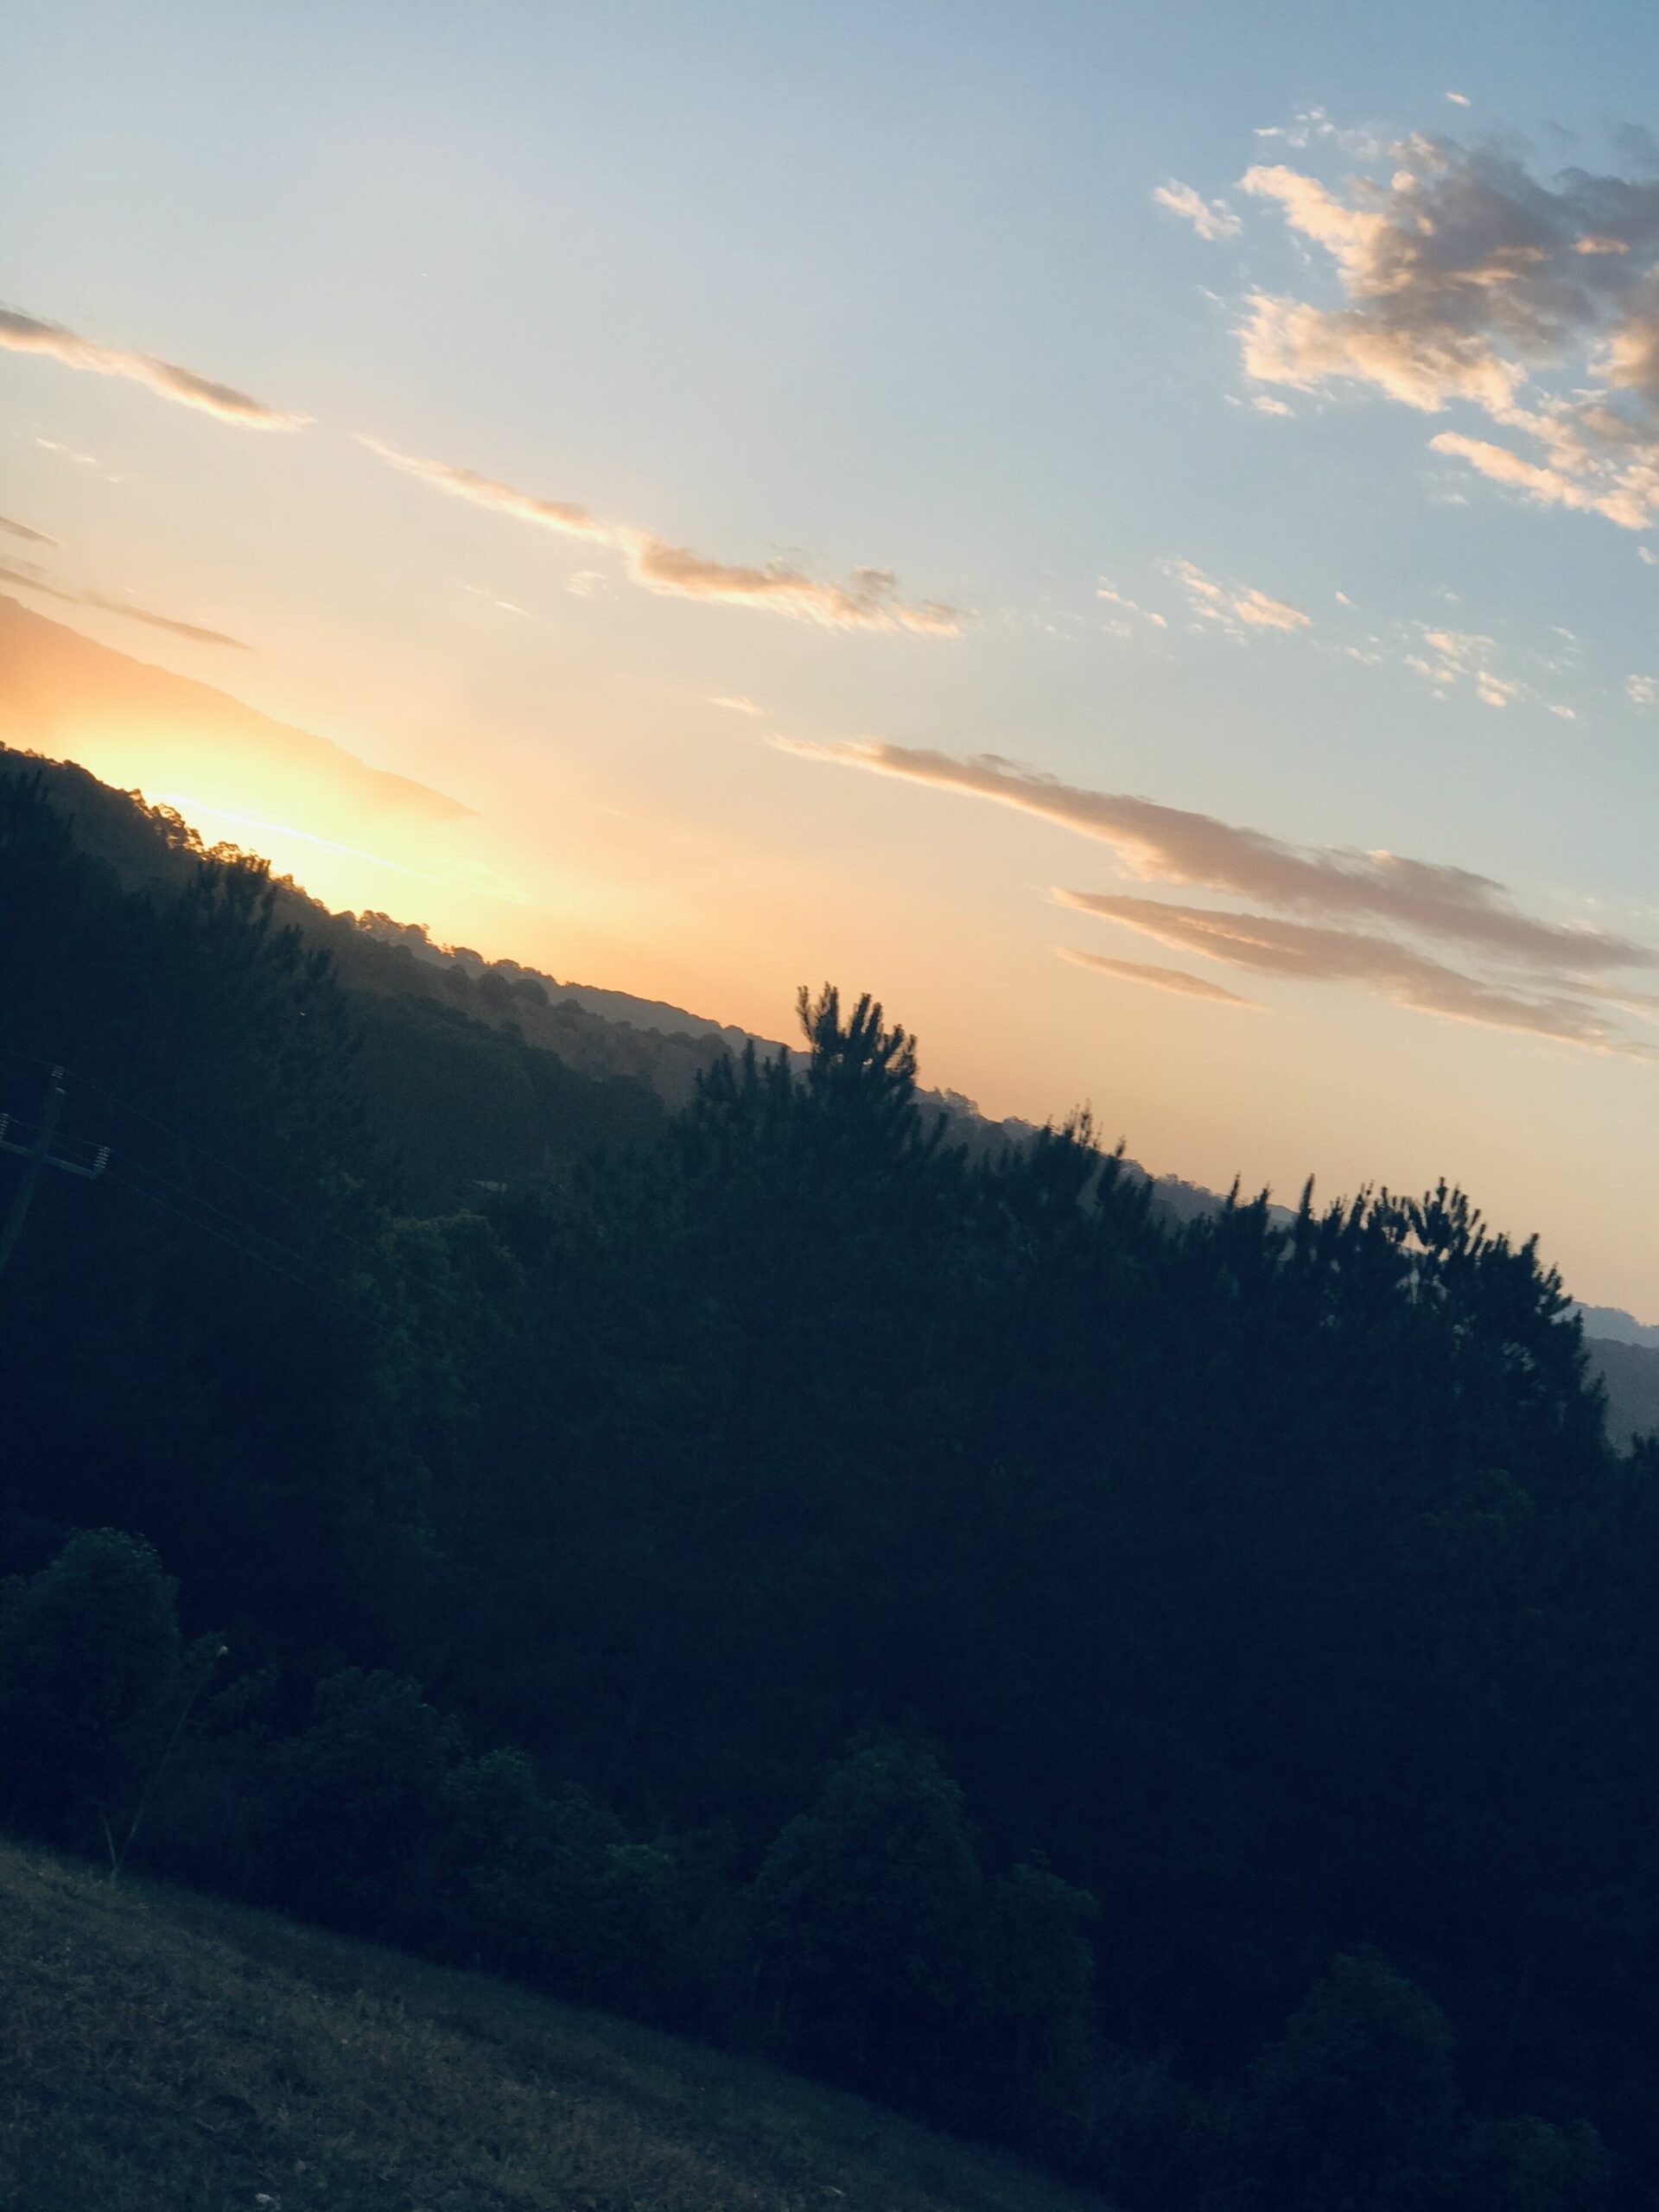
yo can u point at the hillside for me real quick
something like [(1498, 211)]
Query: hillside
[(161, 2050), (1630, 1375), (1106, 1686), (489, 1072)]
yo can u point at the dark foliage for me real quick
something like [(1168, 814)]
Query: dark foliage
[(1175, 1699)]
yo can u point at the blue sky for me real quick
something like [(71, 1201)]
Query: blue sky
[(789, 293)]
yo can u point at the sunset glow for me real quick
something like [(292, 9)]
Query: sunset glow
[(1225, 455)]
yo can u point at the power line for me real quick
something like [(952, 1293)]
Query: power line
[(102, 1155), (195, 1198), (355, 1314), (190, 1144), (38, 1153)]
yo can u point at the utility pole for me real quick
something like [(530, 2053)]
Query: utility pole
[(38, 1153)]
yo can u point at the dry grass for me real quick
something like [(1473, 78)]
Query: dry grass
[(161, 2051)]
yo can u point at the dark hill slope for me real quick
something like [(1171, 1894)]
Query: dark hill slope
[(469, 1082), (1630, 1375), (161, 2050)]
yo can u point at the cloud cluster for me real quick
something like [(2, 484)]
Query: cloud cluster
[(1237, 608), (1521, 971), (1450, 658), (868, 599), (23, 334), (1465, 279)]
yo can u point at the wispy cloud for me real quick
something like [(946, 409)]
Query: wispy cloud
[(1312, 127), (737, 705), (1642, 690), (1464, 279), (24, 334), (30, 579), (1210, 219), (1304, 952), (502, 605), (867, 599), (1549, 978), (485, 491), (1165, 979), (21, 529), (1621, 496), (1117, 623), (1237, 608), (1172, 844)]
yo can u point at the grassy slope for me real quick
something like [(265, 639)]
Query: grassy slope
[(163, 2050)]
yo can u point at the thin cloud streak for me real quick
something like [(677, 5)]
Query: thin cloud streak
[(1180, 980), (25, 334), (1270, 945), (26, 581), (21, 529), (868, 599)]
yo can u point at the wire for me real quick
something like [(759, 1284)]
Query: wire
[(195, 1198), (126, 1106), (355, 1314), (130, 1161)]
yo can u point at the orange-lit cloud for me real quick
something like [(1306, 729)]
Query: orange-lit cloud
[(868, 599), (485, 491), (1210, 219), (1630, 501), (1165, 979), (23, 334), (1237, 608)]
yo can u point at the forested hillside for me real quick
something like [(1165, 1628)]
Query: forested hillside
[(1173, 1699)]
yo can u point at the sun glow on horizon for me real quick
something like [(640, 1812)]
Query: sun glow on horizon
[(185, 803)]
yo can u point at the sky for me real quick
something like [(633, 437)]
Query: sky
[(1131, 531)]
